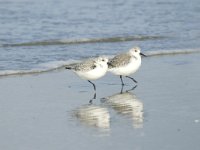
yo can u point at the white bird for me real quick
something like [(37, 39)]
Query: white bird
[(126, 63), (90, 69)]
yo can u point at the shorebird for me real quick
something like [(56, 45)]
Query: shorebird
[(90, 69), (126, 63)]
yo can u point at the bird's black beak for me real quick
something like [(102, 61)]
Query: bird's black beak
[(143, 54)]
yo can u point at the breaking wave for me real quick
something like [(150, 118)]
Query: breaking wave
[(86, 40)]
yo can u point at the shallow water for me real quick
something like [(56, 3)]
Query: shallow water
[(52, 111), (42, 34)]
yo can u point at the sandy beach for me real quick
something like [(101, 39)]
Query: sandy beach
[(51, 111)]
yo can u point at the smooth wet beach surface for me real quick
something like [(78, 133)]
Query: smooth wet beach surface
[(52, 111)]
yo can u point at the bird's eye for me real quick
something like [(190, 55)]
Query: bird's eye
[(136, 51), (103, 59)]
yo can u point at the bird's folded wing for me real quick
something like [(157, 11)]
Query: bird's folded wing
[(119, 61)]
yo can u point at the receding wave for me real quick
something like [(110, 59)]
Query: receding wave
[(42, 68), (172, 52), (86, 40), (55, 65)]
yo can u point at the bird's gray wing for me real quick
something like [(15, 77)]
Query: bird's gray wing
[(119, 61), (83, 66)]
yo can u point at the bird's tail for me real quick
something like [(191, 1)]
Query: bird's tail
[(70, 66)]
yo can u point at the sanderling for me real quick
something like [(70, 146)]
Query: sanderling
[(126, 63), (90, 69)]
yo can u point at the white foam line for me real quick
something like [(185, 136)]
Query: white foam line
[(172, 52), (55, 65), (42, 68)]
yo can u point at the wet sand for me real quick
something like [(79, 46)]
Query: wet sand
[(52, 110)]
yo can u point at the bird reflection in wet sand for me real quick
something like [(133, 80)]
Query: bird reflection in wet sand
[(92, 115), (126, 103)]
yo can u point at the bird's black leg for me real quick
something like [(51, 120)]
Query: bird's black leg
[(93, 85), (94, 97), (132, 79), (122, 89), (131, 88), (121, 80)]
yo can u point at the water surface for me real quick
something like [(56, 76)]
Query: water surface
[(45, 34)]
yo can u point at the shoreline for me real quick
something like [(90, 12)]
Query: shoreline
[(161, 53)]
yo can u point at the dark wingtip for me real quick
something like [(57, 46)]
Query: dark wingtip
[(68, 68)]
